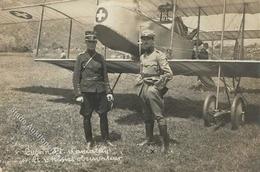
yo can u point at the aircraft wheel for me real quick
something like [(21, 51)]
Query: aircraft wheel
[(209, 108), (238, 110)]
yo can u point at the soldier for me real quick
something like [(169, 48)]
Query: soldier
[(92, 89), (63, 54), (203, 53), (155, 73)]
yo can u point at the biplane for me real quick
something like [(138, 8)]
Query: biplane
[(118, 25)]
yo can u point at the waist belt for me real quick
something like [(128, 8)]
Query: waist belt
[(146, 75)]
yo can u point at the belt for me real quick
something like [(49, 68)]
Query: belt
[(146, 75)]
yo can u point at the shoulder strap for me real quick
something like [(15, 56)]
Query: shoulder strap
[(86, 64)]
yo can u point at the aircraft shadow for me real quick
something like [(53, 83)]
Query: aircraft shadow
[(182, 108), (66, 95), (247, 90), (242, 90)]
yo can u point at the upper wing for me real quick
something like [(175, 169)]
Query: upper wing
[(207, 7), (82, 11), (229, 68), (228, 35)]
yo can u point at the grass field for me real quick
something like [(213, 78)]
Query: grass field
[(37, 109)]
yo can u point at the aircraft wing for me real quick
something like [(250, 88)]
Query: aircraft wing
[(229, 68), (113, 65), (74, 9), (188, 8), (228, 35)]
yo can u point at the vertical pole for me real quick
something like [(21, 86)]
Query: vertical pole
[(174, 4), (139, 34), (243, 35), (218, 86), (39, 32), (68, 53), (212, 45), (198, 36), (223, 28)]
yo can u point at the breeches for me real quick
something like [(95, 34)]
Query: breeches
[(153, 104), (94, 101)]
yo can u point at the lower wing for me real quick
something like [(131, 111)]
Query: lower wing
[(206, 68)]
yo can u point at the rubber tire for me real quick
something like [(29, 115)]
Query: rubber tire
[(238, 110), (208, 109)]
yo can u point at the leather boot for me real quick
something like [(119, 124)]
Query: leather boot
[(164, 137), (104, 129), (88, 132), (149, 134)]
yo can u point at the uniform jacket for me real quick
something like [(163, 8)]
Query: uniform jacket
[(91, 77), (203, 54), (154, 69)]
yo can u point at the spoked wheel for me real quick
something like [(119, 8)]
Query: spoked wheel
[(209, 109), (238, 110)]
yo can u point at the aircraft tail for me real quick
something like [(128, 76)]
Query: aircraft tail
[(118, 27)]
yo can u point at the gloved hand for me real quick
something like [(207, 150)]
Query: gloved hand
[(80, 99), (110, 97)]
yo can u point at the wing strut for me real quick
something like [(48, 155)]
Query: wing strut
[(212, 45), (174, 3), (243, 33), (39, 32), (68, 56), (117, 79), (218, 86), (198, 34), (223, 28)]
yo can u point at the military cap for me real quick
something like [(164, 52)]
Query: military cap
[(90, 36), (206, 45), (148, 33)]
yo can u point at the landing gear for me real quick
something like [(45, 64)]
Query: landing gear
[(238, 110), (209, 109)]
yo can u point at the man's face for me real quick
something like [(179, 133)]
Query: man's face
[(91, 45), (206, 46), (147, 42)]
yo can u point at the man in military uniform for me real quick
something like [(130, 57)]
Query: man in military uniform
[(155, 72), (203, 53), (92, 89)]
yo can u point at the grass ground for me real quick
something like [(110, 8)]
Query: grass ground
[(37, 108)]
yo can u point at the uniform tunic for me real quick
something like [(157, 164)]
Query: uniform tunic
[(90, 80), (155, 73), (203, 54)]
